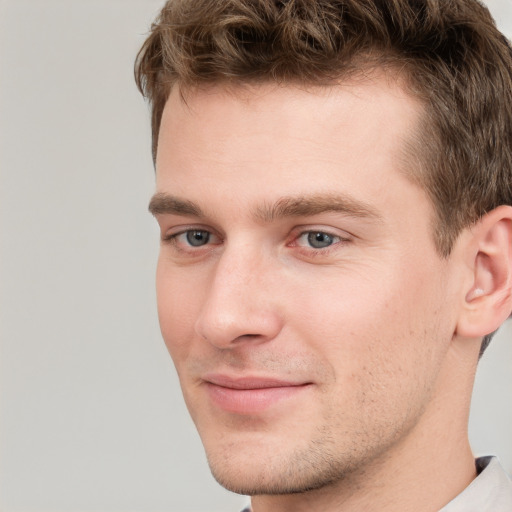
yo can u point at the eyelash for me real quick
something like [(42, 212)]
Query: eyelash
[(173, 238), (308, 234), (299, 234)]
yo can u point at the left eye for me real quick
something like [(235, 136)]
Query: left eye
[(317, 239)]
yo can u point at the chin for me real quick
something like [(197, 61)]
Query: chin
[(277, 474)]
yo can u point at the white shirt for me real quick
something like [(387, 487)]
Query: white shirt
[(490, 491)]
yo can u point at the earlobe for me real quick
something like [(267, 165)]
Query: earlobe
[(488, 301)]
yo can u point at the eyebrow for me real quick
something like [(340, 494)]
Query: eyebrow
[(304, 206), (162, 203), (295, 206)]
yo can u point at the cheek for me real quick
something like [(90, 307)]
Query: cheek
[(383, 356), (179, 298), (384, 321)]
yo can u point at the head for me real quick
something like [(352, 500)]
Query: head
[(229, 79)]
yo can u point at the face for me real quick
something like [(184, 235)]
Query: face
[(299, 291)]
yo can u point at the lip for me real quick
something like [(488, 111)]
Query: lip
[(250, 394)]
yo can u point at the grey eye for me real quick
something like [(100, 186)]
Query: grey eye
[(197, 237), (319, 240)]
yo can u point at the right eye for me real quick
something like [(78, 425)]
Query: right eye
[(196, 237), (191, 239)]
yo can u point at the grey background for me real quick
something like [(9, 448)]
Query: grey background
[(92, 418)]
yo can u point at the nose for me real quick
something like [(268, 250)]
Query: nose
[(240, 306)]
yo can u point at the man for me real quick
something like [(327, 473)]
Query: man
[(334, 193)]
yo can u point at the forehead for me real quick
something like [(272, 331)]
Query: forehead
[(266, 140)]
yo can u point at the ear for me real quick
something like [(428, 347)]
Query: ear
[(488, 296)]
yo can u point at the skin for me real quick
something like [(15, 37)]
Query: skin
[(352, 304)]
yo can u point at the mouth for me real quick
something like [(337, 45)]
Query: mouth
[(250, 395)]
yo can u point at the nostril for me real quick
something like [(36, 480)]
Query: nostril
[(248, 336)]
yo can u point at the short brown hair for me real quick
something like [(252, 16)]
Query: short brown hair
[(449, 51)]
